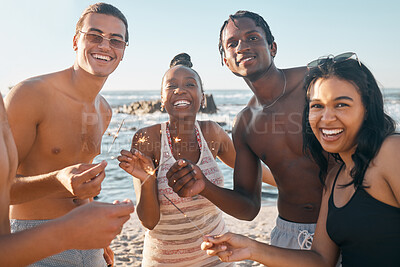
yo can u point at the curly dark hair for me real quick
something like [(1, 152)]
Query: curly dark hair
[(376, 127), (184, 59), (258, 20)]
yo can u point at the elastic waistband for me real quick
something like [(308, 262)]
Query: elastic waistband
[(293, 227)]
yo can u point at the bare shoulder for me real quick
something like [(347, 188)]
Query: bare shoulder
[(104, 105), (330, 177), (32, 89), (296, 74), (295, 78), (148, 140), (387, 156), (391, 144), (147, 135), (210, 126), (211, 130), (26, 99), (105, 108), (241, 121)]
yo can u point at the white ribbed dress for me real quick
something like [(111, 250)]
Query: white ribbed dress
[(175, 241)]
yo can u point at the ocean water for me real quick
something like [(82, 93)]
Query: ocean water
[(118, 185)]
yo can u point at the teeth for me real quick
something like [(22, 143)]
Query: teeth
[(246, 59), (181, 103), (102, 57), (332, 131)]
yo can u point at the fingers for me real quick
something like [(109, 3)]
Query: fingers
[(224, 256), (218, 239), (184, 182), (176, 167), (108, 256), (126, 153), (124, 209), (92, 187), (92, 172), (180, 169), (218, 250)]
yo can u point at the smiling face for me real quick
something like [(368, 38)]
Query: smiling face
[(336, 114), (246, 50), (181, 91), (99, 59)]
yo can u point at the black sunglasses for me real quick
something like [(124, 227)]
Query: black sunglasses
[(335, 59), (98, 39)]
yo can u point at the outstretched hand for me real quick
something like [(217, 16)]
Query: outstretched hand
[(186, 179), (83, 180), (228, 247), (136, 164), (94, 225)]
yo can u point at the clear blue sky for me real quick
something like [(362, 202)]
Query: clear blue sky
[(37, 37)]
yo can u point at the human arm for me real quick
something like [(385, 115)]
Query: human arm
[(233, 247), (387, 189), (244, 201), (81, 181), (141, 167), (26, 113), (91, 226)]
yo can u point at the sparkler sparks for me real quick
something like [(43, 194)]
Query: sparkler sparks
[(142, 139), (152, 172)]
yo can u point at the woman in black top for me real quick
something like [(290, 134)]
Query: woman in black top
[(360, 210)]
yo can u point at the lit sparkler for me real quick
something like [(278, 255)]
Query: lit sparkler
[(142, 139), (116, 135), (153, 171), (184, 214)]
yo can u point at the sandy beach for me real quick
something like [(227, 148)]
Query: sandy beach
[(128, 245)]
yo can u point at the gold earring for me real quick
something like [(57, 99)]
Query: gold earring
[(162, 106)]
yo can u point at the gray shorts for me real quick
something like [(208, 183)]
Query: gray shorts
[(292, 235), (68, 258)]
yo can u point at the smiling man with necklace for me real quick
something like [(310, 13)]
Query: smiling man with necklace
[(268, 129)]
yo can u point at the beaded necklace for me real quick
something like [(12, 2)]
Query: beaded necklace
[(170, 141)]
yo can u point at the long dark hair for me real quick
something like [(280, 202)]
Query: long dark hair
[(376, 127)]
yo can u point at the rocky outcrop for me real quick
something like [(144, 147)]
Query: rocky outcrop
[(144, 107)]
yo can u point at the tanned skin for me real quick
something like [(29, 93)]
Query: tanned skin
[(264, 131)]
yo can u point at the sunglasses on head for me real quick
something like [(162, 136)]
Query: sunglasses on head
[(335, 59), (98, 39)]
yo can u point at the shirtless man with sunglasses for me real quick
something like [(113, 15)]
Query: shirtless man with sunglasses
[(58, 121)]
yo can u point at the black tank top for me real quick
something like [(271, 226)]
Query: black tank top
[(366, 230)]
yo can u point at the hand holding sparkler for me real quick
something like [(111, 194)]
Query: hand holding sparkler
[(136, 164), (186, 179)]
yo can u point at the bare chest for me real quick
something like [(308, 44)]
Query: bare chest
[(275, 136), (71, 133)]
